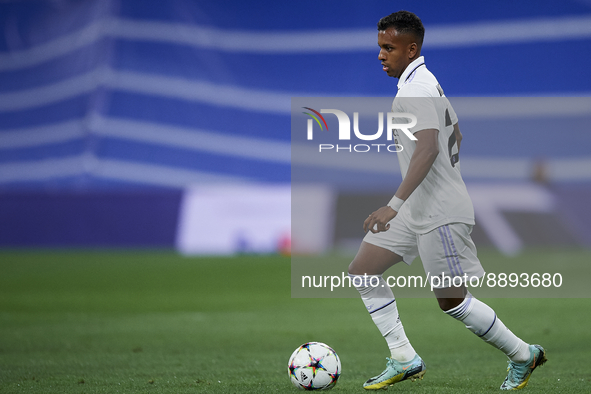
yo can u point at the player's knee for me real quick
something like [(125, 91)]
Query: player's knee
[(450, 297), (449, 303), (355, 268)]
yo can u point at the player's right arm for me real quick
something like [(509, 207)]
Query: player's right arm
[(426, 151), (458, 135), (422, 159)]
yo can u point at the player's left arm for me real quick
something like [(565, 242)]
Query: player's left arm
[(422, 159)]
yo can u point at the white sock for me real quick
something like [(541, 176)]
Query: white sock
[(483, 321), (381, 305)]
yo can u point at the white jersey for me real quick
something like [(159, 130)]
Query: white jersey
[(441, 198)]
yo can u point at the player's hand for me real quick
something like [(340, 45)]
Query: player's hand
[(379, 219)]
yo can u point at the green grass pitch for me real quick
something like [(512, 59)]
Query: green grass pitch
[(157, 322)]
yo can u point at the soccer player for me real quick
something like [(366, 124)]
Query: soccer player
[(430, 215)]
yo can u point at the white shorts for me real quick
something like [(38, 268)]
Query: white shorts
[(447, 250)]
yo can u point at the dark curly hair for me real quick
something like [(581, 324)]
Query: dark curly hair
[(404, 22)]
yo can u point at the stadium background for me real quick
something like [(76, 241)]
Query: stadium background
[(110, 111), (133, 130)]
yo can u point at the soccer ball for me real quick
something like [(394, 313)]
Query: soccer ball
[(314, 366)]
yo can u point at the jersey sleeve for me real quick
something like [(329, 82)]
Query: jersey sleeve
[(424, 109), (419, 100)]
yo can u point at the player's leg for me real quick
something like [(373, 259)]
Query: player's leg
[(483, 321), (366, 271), (460, 259), (372, 260), (376, 254)]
